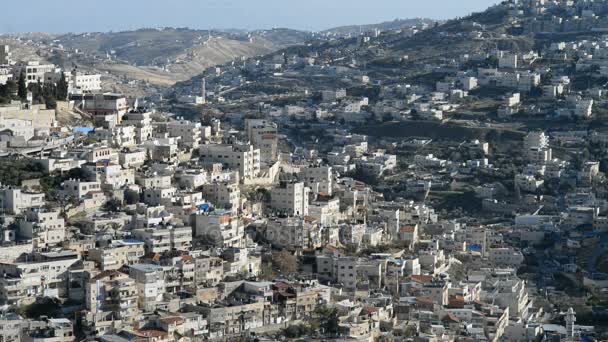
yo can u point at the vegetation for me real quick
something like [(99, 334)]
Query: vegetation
[(8, 91), (131, 197), (285, 262), (328, 317), (49, 307), (46, 94), (61, 92), (22, 87)]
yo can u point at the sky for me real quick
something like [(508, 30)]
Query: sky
[(61, 16)]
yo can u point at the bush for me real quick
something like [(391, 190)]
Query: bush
[(131, 197), (50, 307)]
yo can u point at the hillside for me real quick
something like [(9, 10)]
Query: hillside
[(165, 56), (397, 24), (159, 47), (394, 53)]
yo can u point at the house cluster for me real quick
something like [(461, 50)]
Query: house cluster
[(369, 205), (170, 230)]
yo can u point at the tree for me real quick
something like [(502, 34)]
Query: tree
[(286, 262), (329, 319), (46, 306), (262, 195), (37, 93), (7, 91), (62, 88), (113, 206), (22, 87), (131, 197)]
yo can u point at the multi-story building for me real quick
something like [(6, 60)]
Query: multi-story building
[(290, 198), (141, 119), (208, 271), (294, 233), (224, 195), (111, 301), (84, 83), (15, 200), (45, 227), (34, 71), (243, 158), (159, 196), (5, 55), (263, 134), (190, 133), (36, 275), (117, 254), (319, 179), (79, 189), (150, 282), (107, 109), (220, 227), (164, 239)]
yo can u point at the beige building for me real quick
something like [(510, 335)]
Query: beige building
[(45, 227), (242, 158), (117, 254), (220, 227), (36, 275), (263, 134), (290, 198), (111, 297), (164, 239)]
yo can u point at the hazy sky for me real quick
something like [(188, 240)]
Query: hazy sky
[(104, 15)]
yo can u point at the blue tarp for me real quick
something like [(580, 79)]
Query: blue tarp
[(85, 130), (474, 246)]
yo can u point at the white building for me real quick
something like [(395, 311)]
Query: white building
[(290, 198), (219, 227), (87, 83), (505, 256), (188, 132), (34, 71), (15, 201), (319, 179), (263, 135), (79, 189), (242, 158), (163, 239)]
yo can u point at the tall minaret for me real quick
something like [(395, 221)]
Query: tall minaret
[(570, 319), (204, 90)]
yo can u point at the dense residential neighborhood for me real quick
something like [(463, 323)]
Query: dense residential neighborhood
[(420, 181)]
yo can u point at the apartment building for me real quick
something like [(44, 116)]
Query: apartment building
[(220, 227), (263, 134), (243, 158), (15, 200), (36, 275), (319, 179), (163, 239), (117, 254), (290, 198)]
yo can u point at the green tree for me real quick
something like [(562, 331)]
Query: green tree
[(46, 306), (62, 88), (113, 206), (22, 87), (7, 91), (37, 96), (131, 197), (329, 319)]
